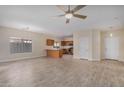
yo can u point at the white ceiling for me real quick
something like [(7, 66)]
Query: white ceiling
[(40, 18)]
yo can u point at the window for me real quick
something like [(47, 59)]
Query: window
[(56, 45), (18, 45)]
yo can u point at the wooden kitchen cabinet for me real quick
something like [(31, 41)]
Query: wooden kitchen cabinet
[(66, 43), (50, 42)]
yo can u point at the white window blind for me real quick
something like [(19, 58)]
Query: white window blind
[(18, 45)]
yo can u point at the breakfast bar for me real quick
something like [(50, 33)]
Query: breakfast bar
[(54, 53)]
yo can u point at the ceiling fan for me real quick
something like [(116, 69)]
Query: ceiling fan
[(69, 13)]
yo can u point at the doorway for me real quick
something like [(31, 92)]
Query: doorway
[(111, 48), (83, 46)]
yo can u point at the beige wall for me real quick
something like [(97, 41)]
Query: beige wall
[(96, 45), (38, 44)]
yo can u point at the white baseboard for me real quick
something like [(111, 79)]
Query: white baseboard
[(88, 59), (17, 59), (121, 60), (94, 59)]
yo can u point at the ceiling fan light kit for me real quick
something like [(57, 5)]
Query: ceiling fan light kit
[(71, 13), (68, 15)]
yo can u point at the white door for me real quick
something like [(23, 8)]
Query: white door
[(111, 48), (83, 47)]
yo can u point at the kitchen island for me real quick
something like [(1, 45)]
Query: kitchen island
[(54, 53)]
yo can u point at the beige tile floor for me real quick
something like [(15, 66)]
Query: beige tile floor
[(65, 72)]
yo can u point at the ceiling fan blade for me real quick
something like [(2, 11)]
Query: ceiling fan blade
[(68, 8), (79, 16), (58, 16), (61, 7), (67, 21), (77, 8)]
